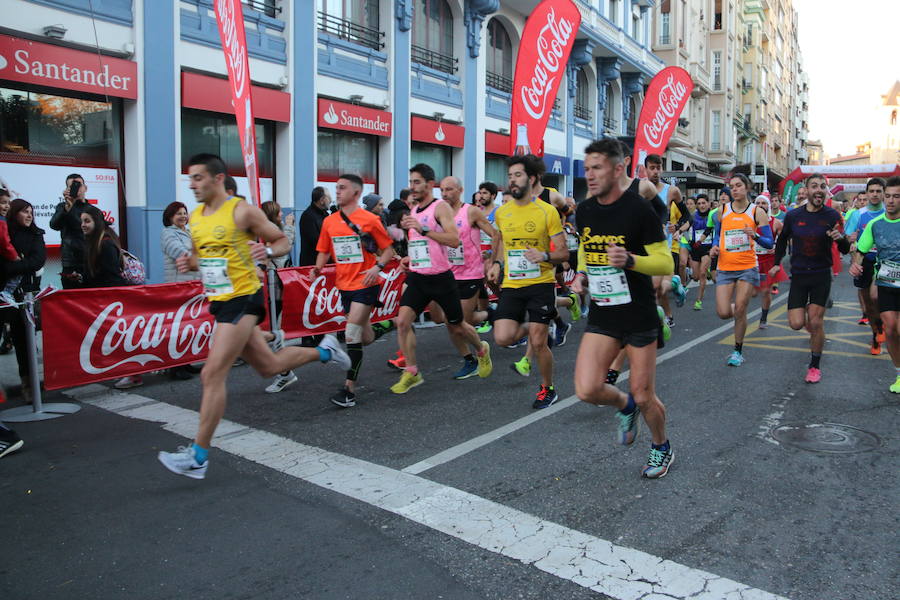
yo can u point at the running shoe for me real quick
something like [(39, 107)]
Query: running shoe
[(736, 359), (658, 463), (545, 397), (561, 333), (667, 331), (239, 362), (10, 441), (863, 320), (338, 356), (698, 305), (281, 381), (522, 366), (763, 325), (277, 342), (774, 289), (469, 369), (880, 337), (183, 462), (875, 350), (485, 327), (344, 398), (813, 375), (575, 309), (551, 334), (522, 342), (398, 363), (127, 383), (895, 388), (678, 290), (670, 321), (612, 376), (407, 382), (628, 426), (485, 364)]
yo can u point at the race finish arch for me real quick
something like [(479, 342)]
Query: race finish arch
[(844, 172)]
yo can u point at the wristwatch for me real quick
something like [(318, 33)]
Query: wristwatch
[(269, 252), (629, 262), (379, 265), (425, 229)]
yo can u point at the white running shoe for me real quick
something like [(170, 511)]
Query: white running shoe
[(277, 342), (280, 382), (129, 382), (182, 462), (338, 356)]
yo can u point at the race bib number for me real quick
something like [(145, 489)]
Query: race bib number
[(214, 274), (418, 254), (608, 286), (347, 249), (486, 239), (698, 233), (572, 242), (456, 255), (736, 241), (518, 267), (889, 272)]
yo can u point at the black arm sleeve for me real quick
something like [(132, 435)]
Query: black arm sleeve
[(781, 242)]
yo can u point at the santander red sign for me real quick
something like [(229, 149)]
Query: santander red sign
[(54, 66), (666, 97), (352, 117)]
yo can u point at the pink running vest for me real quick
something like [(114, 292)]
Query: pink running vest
[(426, 256), (466, 261)]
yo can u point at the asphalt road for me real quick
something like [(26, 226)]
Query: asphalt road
[(89, 513)]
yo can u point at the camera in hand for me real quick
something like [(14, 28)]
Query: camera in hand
[(73, 189)]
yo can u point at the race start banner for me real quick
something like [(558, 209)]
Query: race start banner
[(666, 97), (543, 53), (90, 336), (230, 18)]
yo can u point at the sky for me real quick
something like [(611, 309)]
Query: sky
[(850, 54)]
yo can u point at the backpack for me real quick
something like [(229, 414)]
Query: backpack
[(133, 269)]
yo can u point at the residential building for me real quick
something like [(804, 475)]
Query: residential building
[(816, 152)]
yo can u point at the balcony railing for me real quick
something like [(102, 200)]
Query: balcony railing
[(435, 60), (499, 82), (665, 39), (266, 7), (352, 32), (610, 124), (582, 112)]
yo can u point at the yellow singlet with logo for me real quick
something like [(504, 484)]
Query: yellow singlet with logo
[(526, 226), (226, 267)]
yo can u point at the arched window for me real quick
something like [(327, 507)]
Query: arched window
[(632, 115), (582, 97), (499, 57), (433, 35), (894, 117)]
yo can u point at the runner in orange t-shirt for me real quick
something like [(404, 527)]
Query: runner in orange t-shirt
[(361, 248)]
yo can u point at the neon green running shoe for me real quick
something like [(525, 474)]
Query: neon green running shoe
[(575, 309), (484, 327), (698, 305), (895, 388), (522, 366), (667, 331)]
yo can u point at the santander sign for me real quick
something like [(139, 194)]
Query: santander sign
[(543, 53)]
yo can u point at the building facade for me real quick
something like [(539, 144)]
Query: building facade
[(368, 87)]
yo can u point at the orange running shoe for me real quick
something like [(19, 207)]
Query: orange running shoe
[(398, 363), (876, 348)]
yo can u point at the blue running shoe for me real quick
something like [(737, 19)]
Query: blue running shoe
[(628, 426), (469, 369), (736, 359), (658, 463), (522, 342), (561, 333), (678, 290)]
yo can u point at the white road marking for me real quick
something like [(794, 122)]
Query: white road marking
[(591, 562), (475, 443)]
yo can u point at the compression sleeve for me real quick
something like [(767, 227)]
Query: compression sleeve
[(582, 263), (657, 262), (866, 241), (781, 244), (717, 229), (765, 237)]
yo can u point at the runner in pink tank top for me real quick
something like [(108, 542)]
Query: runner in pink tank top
[(465, 260), (426, 255)]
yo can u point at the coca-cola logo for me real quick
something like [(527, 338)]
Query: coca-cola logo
[(145, 338), (552, 42), (234, 48), (323, 302), (669, 107)]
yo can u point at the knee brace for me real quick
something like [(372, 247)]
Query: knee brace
[(353, 333)]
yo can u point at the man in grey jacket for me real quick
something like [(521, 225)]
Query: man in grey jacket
[(67, 221)]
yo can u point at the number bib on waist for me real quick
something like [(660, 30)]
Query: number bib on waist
[(347, 249), (736, 241), (418, 254), (518, 267), (608, 286), (889, 272), (455, 255), (214, 273)]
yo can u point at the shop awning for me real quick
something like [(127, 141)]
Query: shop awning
[(695, 179)]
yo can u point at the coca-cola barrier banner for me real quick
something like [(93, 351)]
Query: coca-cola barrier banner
[(666, 97), (90, 336), (546, 44), (230, 17)]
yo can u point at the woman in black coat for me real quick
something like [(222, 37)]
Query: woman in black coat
[(28, 240)]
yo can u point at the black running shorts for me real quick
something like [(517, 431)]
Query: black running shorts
[(809, 288), (888, 299), (537, 301), (440, 288), (231, 311)]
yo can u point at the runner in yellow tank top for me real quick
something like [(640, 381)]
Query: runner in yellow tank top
[(734, 242), (224, 229)]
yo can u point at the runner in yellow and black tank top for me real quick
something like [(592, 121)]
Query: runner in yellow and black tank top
[(227, 269)]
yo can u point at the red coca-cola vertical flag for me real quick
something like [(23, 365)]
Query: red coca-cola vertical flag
[(230, 18), (546, 44), (666, 97)]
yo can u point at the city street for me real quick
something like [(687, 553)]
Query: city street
[(459, 490)]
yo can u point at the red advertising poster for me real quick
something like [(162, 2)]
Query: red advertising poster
[(352, 117), (437, 132), (230, 18), (666, 97), (55, 66), (211, 93), (546, 44)]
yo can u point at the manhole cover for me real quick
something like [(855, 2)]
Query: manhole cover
[(826, 437)]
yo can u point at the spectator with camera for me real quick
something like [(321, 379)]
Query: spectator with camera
[(67, 221)]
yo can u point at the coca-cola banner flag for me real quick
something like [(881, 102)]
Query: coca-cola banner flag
[(666, 97), (314, 307), (546, 44), (91, 336), (230, 18)]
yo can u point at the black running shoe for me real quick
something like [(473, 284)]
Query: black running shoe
[(344, 398), (545, 397)]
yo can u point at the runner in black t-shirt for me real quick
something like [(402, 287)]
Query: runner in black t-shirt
[(622, 246)]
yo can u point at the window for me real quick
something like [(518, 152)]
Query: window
[(59, 129), (748, 37), (264, 6), (665, 28), (763, 81), (495, 169), (778, 69), (613, 14), (433, 35), (353, 20), (499, 57), (217, 133), (582, 97), (346, 152), (715, 143), (717, 70), (438, 158), (748, 75), (717, 16)]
